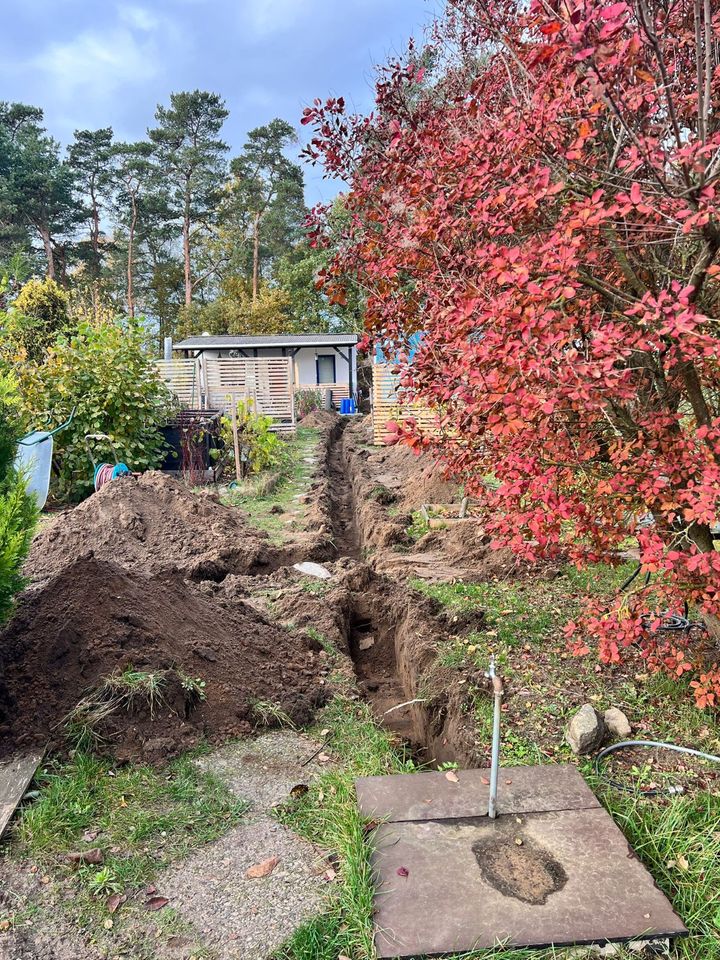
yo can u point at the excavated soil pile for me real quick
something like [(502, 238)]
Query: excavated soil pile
[(95, 620), (154, 524)]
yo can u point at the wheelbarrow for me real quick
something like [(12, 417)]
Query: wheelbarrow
[(33, 460)]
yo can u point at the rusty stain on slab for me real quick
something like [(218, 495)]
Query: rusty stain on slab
[(15, 777), (431, 796), (561, 874)]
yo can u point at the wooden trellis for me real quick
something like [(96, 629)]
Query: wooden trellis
[(266, 381), (388, 404)]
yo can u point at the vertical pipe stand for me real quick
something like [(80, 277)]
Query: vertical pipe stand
[(495, 757)]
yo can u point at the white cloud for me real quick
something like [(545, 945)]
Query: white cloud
[(273, 16), (98, 62), (138, 18)]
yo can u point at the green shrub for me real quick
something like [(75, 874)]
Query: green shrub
[(306, 401), (38, 316), (262, 448), (17, 511), (105, 371)]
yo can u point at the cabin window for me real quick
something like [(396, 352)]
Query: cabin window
[(325, 368)]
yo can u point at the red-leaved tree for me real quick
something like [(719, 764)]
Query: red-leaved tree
[(536, 191)]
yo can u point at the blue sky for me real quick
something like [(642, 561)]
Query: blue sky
[(94, 63)]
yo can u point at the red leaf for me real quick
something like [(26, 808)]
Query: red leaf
[(403, 872), (157, 903)]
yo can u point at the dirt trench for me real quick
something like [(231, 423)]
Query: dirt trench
[(391, 632)]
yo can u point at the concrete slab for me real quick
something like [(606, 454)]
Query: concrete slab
[(553, 878), (432, 796)]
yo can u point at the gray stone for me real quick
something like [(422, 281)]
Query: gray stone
[(617, 723), (586, 730)]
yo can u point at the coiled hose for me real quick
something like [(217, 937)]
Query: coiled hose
[(105, 472), (653, 744)]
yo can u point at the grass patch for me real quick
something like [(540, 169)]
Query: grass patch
[(141, 818), (328, 816), (262, 506)]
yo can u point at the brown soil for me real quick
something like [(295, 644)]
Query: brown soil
[(392, 634), (95, 618), (154, 524)]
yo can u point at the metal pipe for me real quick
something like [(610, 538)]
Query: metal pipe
[(495, 758)]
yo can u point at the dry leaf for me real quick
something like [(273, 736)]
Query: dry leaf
[(94, 856), (323, 758), (683, 864), (485, 781), (260, 870), (451, 776), (325, 732), (108, 924), (518, 841), (4, 925), (403, 872), (157, 903), (114, 901)]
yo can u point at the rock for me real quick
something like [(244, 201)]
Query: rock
[(586, 730), (617, 723), (313, 570)]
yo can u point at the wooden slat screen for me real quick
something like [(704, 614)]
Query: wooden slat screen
[(267, 381), (183, 379), (340, 391), (388, 404)]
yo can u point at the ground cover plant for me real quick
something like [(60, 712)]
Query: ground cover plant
[(536, 193), (111, 830), (266, 507)]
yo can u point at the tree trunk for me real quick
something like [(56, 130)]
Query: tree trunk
[(186, 252), (95, 244), (130, 263), (256, 256), (49, 253)]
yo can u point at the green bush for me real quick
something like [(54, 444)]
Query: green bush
[(262, 448), (306, 401), (38, 316), (17, 511), (105, 371)]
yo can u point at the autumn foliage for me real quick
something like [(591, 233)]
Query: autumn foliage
[(537, 192)]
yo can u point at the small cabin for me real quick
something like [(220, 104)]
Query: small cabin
[(317, 361)]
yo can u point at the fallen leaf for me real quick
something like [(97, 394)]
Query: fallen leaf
[(90, 835), (330, 875), (325, 732), (108, 924), (403, 872), (264, 869), (299, 790), (508, 782), (114, 901), (485, 781), (94, 856), (320, 796), (323, 758), (4, 925), (451, 776), (150, 889), (518, 841), (683, 863), (157, 903)]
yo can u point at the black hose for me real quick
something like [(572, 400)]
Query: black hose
[(653, 744)]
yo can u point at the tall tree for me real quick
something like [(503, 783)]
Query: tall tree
[(267, 192), (190, 160), (91, 157), (134, 171), (38, 187)]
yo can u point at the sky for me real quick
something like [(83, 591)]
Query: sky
[(98, 63)]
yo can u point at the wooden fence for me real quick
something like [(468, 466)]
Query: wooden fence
[(266, 381), (388, 404), (183, 379)]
